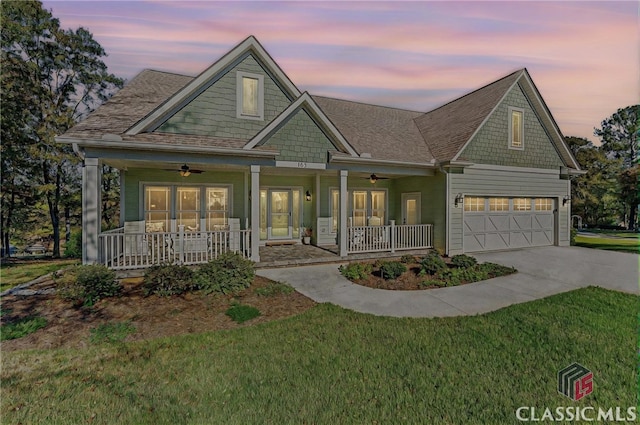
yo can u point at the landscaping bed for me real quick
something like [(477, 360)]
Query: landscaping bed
[(415, 273), (135, 314)]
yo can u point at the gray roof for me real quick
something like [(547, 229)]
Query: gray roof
[(384, 132)]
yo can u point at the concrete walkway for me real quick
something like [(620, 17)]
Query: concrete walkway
[(542, 272)]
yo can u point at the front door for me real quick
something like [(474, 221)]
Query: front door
[(411, 208), (280, 225)]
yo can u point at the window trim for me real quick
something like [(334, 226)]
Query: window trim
[(240, 75), (368, 206), (513, 109)]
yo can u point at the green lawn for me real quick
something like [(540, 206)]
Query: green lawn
[(628, 244), (334, 366), (13, 274)]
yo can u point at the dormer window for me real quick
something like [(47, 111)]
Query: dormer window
[(250, 96), (516, 128)]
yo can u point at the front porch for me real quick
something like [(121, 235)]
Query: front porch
[(123, 249)]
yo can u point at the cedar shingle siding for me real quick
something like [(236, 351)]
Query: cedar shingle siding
[(490, 144)]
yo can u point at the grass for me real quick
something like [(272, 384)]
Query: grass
[(610, 244), (273, 289), (14, 274), (111, 332), (331, 365), (241, 313), (22, 327)]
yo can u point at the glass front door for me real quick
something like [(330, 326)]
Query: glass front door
[(280, 214)]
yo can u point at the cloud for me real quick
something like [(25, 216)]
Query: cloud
[(583, 56)]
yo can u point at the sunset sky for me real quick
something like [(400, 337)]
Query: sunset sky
[(582, 55)]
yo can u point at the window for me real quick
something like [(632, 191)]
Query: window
[(188, 208), (498, 204), (217, 212), (516, 128), (522, 204), (157, 208), (544, 204), (250, 96), (359, 210), (377, 208), (473, 203), (167, 207)]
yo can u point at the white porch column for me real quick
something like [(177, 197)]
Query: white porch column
[(344, 199), (90, 210), (255, 213)]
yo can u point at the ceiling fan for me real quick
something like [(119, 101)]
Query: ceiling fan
[(185, 171), (373, 178)]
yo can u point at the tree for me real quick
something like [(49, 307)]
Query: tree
[(594, 194), (67, 79), (619, 135)]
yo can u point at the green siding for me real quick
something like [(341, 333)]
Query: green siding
[(300, 139), (490, 144), (213, 113), (135, 178), (432, 208)]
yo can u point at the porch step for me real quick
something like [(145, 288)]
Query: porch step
[(280, 243)]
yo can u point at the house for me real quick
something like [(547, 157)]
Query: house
[(237, 158)]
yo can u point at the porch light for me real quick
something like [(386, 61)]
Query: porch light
[(458, 200), (566, 199), (184, 171), (307, 196), (373, 179)]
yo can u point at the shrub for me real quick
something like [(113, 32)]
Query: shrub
[(433, 282), (463, 261), (230, 273), (86, 285), (355, 271), (73, 247), (167, 279), (22, 327), (407, 259), (240, 313), (432, 263), (574, 233), (392, 269), (495, 270), (274, 288), (111, 332)]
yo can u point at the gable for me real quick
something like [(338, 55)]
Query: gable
[(213, 112), (490, 144), (300, 139)]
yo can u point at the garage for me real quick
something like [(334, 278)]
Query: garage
[(495, 223)]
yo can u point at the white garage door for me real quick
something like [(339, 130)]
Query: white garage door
[(494, 223)]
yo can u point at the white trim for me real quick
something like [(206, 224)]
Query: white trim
[(511, 110), (546, 111), (515, 169), (301, 165), (302, 102), (484, 121), (164, 147), (240, 76), (370, 161), (447, 236), (250, 44)]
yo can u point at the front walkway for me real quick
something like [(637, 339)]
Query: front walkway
[(542, 272)]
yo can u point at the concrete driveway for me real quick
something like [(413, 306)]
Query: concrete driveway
[(542, 272)]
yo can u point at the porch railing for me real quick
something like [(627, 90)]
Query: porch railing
[(120, 251), (389, 238)]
